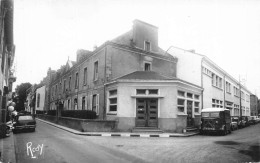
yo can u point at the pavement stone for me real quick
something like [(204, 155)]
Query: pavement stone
[(7, 149), (121, 134)]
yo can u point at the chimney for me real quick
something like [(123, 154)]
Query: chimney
[(144, 33), (81, 53)]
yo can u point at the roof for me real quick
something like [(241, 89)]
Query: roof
[(145, 75), (212, 110)]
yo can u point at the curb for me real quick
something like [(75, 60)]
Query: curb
[(146, 135)]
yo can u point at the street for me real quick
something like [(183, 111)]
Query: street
[(50, 144)]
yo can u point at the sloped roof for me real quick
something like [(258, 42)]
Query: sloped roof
[(145, 75)]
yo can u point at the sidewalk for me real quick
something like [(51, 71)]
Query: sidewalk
[(7, 149), (121, 134)]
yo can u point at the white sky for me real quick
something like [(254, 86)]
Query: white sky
[(46, 32)]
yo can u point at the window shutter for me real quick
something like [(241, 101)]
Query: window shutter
[(90, 102), (97, 104), (86, 102)]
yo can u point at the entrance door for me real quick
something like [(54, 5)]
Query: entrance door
[(146, 112), (189, 113)]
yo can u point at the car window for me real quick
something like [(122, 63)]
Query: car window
[(27, 117)]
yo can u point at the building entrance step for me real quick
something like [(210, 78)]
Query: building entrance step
[(192, 129), (146, 130)]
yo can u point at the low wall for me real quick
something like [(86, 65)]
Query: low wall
[(84, 125)]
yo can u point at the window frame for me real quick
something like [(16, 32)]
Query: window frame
[(95, 70)]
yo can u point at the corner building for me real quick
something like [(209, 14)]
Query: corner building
[(129, 79), (220, 90)]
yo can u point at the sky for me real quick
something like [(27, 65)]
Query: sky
[(48, 32)]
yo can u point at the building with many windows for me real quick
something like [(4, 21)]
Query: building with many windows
[(129, 79), (254, 105), (220, 88)]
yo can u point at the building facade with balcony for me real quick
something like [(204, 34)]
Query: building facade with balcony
[(220, 88), (129, 79)]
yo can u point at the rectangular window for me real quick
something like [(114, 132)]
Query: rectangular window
[(147, 46), (141, 91), (75, 104), (197, 97), (68, 104), (181, 93), (69, 82), (197, 104), (83, 103), (76, 80), (96, 70), (56, 89), (95, 103), (85, 75), (217, 103), (153, 91), (181, 105), (147, 66), (38, 100), (189, 95), (112, 101), (64, 85)]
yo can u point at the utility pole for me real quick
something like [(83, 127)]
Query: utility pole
[(240, 101)]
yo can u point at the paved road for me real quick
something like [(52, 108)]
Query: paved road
[(49, 144), (241, 146), (60, 146)]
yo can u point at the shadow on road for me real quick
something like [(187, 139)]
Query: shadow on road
[(227, 142), (253, 152)]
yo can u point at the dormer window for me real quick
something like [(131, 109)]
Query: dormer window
[(147, 66), (147, 46)]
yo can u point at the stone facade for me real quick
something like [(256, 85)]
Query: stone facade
[(85, 84)]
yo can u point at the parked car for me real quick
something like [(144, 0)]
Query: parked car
[(252, 120), (216, 120), (24, 122), (234, 124), (245, 121), (257, 120)]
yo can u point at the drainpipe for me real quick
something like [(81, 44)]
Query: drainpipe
[(202, 83), (105, 80), (224, 91)]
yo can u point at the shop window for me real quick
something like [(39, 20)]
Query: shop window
[(181, 105), (181, 93), (189, 95), (197, 97), (196, 107)]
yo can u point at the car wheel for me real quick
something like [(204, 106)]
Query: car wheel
[(14, 131), (33, 130), (224, 132)]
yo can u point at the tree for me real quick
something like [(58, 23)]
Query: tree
[(21, 95)]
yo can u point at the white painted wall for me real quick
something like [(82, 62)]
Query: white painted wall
[(188, 65), (40, 91)]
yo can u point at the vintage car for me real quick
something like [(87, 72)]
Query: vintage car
[(252, 120), (216, 120), (234, 124), (24, 122)]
